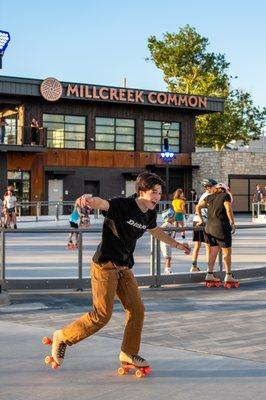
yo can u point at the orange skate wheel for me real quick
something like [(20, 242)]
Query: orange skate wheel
[(227, 285), (48, 359), (47, 340), (208, 284), (121, 371), (218, 284), (147, 370), (54, 365), (139, 373), (237, 284)]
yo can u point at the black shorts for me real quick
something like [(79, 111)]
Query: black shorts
[(198, 236), (73, 225), (224, 243)]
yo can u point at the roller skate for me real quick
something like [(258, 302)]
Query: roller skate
[(133, 362), (211, 280), (167, 271), (194, 268), (71, 245), (58, 349), (230, 281)]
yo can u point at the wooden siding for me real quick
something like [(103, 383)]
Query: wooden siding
[(69, 159)]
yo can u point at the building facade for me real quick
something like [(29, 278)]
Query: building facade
[(241, 170), (93, 139)]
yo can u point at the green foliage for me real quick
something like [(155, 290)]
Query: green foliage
[(241, 121), (186, 64), (189, 68)]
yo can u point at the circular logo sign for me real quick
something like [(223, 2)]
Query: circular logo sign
[(51, 89)]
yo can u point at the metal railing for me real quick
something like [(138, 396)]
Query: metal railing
[(257, 208), (57, 208), (52, 208), (21, 136), (153, 279)]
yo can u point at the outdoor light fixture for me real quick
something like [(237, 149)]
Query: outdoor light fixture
[(167, 155), (4, 40)]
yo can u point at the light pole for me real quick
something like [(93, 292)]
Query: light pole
[(4, 40), (167, 155)]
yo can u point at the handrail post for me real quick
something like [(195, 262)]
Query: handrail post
[(158, 264), (80, 249), (220, 260), (152, 254), (38, 210), (57, 212), (3, 257)]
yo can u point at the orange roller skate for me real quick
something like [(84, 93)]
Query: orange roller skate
[(58, 350), (230, 281), (211, 280), (134, 362)]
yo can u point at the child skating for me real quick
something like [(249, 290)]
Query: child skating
[(74, 221), (168, 222), (126, 220)]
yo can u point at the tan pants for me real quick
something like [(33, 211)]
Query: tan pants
[(106, 283)]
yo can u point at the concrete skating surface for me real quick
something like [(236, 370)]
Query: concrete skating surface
[(202, 344)]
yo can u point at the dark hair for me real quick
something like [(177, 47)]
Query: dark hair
[(147, 180)]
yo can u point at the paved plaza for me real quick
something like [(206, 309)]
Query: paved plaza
[(202, 343)]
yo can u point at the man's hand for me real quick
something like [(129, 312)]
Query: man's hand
[(184, 247), (85, 200), (233, 228), (200, 223)]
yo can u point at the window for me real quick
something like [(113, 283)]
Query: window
[(65, 131), (155, 131), (115, 134)]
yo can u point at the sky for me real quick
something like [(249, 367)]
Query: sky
[(103, 41)]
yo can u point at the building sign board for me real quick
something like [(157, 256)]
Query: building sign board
[(52, 90)]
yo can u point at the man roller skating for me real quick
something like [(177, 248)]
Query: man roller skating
[(126, 220)]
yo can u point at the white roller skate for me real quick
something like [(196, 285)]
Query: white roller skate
[(211, 280), (58, 349), (194, 268), (133, 362), (230, 281), (167, 271)]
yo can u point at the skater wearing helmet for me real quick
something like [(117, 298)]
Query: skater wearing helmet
[(198, 236), (168, 222), (219, 229), (126, 220)]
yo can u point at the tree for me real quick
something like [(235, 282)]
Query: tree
[(186, 64), (240, 121), (189, 68)]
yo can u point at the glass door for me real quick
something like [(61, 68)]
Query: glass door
[(20, 180)]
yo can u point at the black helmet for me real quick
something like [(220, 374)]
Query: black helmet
[(208, 182)]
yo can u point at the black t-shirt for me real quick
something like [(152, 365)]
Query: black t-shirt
[(218, 224), (124, 223)]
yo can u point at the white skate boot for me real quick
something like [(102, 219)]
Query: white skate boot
[(133, 361), (211, 280), (230, 281), (58, 347), (194, 268), (167, 271)]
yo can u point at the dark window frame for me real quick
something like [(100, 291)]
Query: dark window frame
[(65, 131), (161, 129), (117, 136)]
